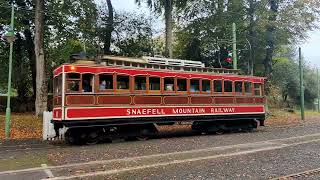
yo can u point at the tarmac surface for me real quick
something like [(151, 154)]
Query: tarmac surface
[(288, 152)]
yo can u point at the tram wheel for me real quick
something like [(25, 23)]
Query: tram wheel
[(142, 138), (72, 137), (219, 132), (92, 138)]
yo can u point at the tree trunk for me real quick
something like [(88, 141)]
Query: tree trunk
[(41, 94), (270, 38), (109, 29), (252, 34), (19, 70), (271, 29), (29, 45), (168, 18)]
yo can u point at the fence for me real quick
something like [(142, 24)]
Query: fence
[(48, 133)]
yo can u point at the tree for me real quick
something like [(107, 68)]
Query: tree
[(42, 92), (251, 11), (271, 30), (109, 28), (167, 5), (133, 35), (210, 23), (256, 23)]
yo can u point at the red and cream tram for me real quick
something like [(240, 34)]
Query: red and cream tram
[(129, 96)]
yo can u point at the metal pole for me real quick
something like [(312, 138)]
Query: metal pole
[(8, 110), (234, 41), (301, 85), (318, 95)]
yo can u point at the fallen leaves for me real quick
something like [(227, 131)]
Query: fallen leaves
[(23, 126), (279, 117)]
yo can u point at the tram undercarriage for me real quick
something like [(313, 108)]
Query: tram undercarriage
[(95, 131)]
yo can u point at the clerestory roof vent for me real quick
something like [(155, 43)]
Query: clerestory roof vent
[(174, 62)]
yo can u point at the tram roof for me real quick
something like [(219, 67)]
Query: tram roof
[(97, 69)]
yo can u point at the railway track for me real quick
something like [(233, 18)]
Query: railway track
[(301, 175)]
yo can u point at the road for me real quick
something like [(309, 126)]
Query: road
[(270, 152)]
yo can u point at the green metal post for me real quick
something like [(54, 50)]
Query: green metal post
[(301, 85), (8, 110), (234, 42), (318, 95)]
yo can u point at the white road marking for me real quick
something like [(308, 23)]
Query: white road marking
[(273, 143), (47, 171), (115, 171)]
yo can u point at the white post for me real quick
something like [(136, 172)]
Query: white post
[(48, 130)]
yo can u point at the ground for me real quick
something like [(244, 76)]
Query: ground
[(285, 146), (24, 126)]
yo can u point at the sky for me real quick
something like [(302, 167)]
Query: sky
[(310, 48)]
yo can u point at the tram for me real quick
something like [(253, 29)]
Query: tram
[(124, 96)]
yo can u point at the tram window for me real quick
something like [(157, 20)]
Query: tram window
[(73, 82), (194, 85), (227, 86), (73, 85), (154, 83), (238, 86), (57, 83), (134, 65), (110, 62), (105, 81), (87, 82), (119, 63), (257, 89), (122, 82), (206, 86), (140, 82), (181, 85), (127, 63), (73, 76), (169, 84), (217, 86), (248, 87)]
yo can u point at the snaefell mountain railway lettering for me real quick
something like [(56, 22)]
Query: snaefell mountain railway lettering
[(222, 110), (188, 111), (181, 110), (145, 112)]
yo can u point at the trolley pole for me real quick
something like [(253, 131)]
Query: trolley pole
[(10, 38), (234, 49), (301, 85), (318, 95)]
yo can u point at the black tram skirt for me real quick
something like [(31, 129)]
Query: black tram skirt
[(164, 119)]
